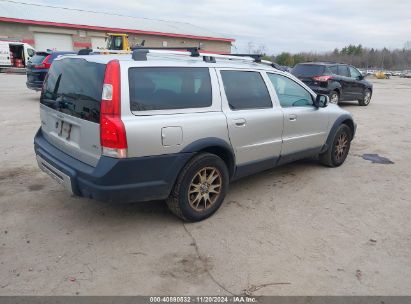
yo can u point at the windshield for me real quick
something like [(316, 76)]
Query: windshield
[(308, 70), (74, 86), (115, 43)]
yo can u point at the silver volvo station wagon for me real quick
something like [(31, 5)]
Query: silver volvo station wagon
[(178, 126)]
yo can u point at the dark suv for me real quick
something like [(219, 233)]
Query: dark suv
[(339, 81), (38, 66)]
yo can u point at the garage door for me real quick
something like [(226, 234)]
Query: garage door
[(98, 42), (57, 42)]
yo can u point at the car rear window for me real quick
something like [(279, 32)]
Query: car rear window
[(55, 55), (74, 86), (308, 70), (161, 88), (38, 58)]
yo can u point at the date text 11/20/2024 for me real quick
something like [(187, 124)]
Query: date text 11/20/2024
[(204, 299)]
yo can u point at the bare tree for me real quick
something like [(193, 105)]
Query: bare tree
[(250, 47)]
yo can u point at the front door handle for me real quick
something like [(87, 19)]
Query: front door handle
[(240, 122), (292, 117)]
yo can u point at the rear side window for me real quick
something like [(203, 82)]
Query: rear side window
[(74, 87), (162, 88), (343, 71), (245, 90), (308, 70), (334, 69)]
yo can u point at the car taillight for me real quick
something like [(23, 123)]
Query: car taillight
[(322, 78), (45, 64), (112, 132)]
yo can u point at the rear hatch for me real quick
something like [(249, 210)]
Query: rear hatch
[(306, 72), (36, 71), (70, 108)]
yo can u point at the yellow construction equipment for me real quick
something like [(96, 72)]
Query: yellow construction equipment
[(117, 42), (381, 75)]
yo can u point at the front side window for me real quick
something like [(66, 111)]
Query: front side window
[(290, 93), (162, 88), (354, 73), (245, 90), (343, 71)]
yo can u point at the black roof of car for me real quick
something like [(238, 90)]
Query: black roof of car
[(322, 63)]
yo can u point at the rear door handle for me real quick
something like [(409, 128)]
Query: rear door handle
[(240, 122), (292, 117)]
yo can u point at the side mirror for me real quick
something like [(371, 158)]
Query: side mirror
[(321, 101), (361, 77)]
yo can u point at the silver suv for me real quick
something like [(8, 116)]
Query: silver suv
[(178, 126)]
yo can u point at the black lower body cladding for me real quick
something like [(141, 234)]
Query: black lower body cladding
[(36, 86), (116, 180)]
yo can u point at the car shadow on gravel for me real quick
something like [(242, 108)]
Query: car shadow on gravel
[(52, 198), (159, 210), (345, 104), (154, 211)]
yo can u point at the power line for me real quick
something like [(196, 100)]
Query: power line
[(90, 11)]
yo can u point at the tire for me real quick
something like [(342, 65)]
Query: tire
[(334, 97), (338, 151), (365, 100), (197, 176)]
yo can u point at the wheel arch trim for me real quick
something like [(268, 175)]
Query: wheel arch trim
[(343, 119), (215, 146)]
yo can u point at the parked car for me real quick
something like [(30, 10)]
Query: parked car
[(123, 128), (38, 66), (406, 74), (340, 82), (14, 54)]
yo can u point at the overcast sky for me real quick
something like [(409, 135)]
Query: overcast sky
[(280, 25)]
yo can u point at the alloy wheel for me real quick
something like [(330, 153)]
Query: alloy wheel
[(205, 188), (334, 98), (367, 97), (341, 146)]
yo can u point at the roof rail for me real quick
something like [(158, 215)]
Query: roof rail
[(84, 51), (139, 53), (100, 51), (256, 57), (194, 51), (274, 65)]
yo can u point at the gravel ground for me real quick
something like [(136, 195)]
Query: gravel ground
[(301, 229)]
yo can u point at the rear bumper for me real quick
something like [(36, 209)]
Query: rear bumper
[(35, 85), (112, 180)]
